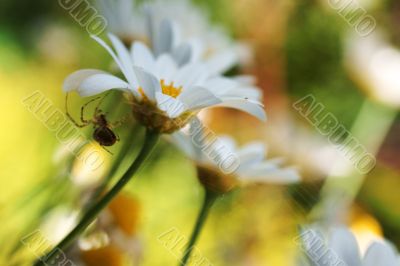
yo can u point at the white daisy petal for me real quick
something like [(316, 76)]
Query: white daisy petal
[(99, 83), (197, 48), (220, 85), (184, 143), (259, 169), (222, 62), (247, 106), (182, 54), (148, 82), (166, 68), (110, 51), (170, 105), (251, 153), (231, 87), (380, 254), (345, 246), (251, 93), (228, 142), (149, 18), (223, 148), (245, 79), (142, 56), (73, 81), (124, 58), (277, 176), (197, 97), (195, 136), (313, 245), (191, 75), (164, 38)]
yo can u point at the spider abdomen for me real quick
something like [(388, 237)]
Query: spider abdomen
[(104, 136)]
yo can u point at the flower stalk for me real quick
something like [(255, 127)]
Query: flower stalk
[(123, 153), (150, 142), (208, 202)]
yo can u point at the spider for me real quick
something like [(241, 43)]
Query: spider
[(103, 132)]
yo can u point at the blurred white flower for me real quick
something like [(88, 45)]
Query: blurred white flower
[(58, 223), (90, 167), (187, 27), (123, 19), (341, 247), (192, 27), (222, 165), (163, 95), (376, 65)]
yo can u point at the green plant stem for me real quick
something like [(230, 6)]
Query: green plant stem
[(208, 202), (149, 144), (123, 153)]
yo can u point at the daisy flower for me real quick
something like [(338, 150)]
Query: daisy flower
[(341, 248), (113, 236), (163, 95), (118, 224), (222, 165)]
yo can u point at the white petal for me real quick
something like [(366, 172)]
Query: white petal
[(191, 75), (164, 37), (228, 142), (148, 83), (222, 149), (314, 245), (166, 68), (182, 54), (124, 58), (197, 97), (73, 81), (143, 57), (269, 172), (220, 85), (110, 51), (228, 88), (170, 105), (198, 49), (222, 62), (380, 254), (245, 79), (149, 18), (252, 93), (344, 244), (251, 153), (197, 135), (247, 106), (184, 143), (99, 83)]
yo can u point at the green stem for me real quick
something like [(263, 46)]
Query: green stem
[(123, 153), (149, 143), (209, 200)]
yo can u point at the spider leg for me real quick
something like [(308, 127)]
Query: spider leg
[(120, 122), (85, 123), (97, 110), (83, 109), (107, 150)]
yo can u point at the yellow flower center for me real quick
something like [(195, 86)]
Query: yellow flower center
[(170, 89), (148, 113), (167, 89)]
